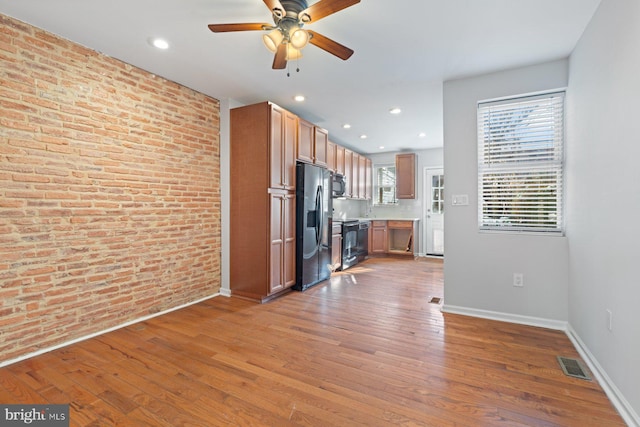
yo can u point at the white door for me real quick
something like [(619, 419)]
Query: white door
[(434, 213)]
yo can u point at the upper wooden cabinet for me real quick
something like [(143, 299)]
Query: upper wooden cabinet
[(348, 168), (312, 143), (320, 146), (305, 141), (406, 176), (368, 179), (362, 177), (340, 150), (331, 156)]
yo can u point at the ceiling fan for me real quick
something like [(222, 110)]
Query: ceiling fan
[(287, 37)]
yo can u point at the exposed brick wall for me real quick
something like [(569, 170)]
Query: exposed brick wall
[(109, 192)]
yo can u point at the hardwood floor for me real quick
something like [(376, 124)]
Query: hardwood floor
[(367, 349)]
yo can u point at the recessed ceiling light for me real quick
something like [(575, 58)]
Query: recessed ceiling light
[(346, 126), (299, 98), (395, 110), (381, 147), (422, 135), (363, 136), (160, 43)]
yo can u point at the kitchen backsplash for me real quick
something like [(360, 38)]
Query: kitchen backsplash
[(344, 208)]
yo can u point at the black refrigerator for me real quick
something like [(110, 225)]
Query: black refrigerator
[(313, 225)]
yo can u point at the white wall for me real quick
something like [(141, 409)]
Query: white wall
[(603, 198), (479, 267)]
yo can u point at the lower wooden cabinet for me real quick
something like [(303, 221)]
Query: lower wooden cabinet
[(392, 237), (263, 244), (378, 243), (336, 246), (282, 262)]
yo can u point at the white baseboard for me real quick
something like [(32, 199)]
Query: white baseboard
[(225, 292), (506, 317), (86, 337), (613, 393)]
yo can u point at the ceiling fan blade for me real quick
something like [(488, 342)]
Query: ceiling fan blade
[(280, 60), (323, 8), (223, 28), (330, 46), (273, 5)]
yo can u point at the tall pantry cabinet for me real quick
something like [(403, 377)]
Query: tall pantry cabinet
[(263, 222)]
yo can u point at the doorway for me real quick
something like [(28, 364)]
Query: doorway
[(434, 211)]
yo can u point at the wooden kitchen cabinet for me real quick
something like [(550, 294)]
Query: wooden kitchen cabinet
[(305, 141), (400, 234), (262, 201), (378, 241), (392, 237), (282, 220), (355, 175), (368, 180), (340, 152), (336, 246), (406, 176), (362, 182), (320, 146), (332, 164), (312, 143), (348, 167)]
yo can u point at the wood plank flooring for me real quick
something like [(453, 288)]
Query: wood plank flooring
[(366, 349)]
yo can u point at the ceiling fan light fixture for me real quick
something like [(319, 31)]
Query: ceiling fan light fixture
[(273, 39), (293, 53), (299, 38)]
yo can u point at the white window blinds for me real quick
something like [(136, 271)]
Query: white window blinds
[(520, 163)]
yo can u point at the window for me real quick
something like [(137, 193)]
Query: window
[(520, 163), (385, 185)]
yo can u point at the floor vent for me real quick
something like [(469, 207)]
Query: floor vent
[(435, 300), (573, 368)]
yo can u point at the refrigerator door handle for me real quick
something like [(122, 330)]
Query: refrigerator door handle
[(318, 215)]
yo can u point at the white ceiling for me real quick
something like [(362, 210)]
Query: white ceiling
[(404, 50)]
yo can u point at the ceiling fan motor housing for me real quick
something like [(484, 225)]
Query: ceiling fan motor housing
[(294, 6)]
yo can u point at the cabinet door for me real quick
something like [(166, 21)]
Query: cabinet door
[(289, 237), (331, 157), (276, 259), (283, 242), (320, 142), (276, 146), (355, 176), (368, 180), (289, 151), (305, 141), (379, 239), (362, 171), (348, 166), (406, 176), (340, 151)]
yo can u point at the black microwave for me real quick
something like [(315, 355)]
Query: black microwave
[(338, 185)]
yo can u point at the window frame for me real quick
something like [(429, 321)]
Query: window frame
[(522, 160), (376, 186)]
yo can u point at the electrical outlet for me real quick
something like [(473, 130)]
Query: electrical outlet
[(518, 280), (609, 320)]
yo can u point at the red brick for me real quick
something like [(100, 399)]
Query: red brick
[(108, 167)]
